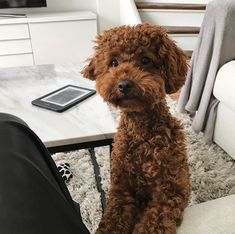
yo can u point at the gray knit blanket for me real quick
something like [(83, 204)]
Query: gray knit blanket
[(216, 46)]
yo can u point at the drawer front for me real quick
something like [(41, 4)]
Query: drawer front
[(15, 47), (14, 31), (16, 60)]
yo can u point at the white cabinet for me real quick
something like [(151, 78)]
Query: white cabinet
[(15, 43), (47, 38)]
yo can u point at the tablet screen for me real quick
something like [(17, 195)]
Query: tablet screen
[(65, 96)]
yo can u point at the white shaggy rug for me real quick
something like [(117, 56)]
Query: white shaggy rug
[(212, 173)]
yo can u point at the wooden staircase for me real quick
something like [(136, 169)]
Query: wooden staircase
[(183, 31), (182, 21)]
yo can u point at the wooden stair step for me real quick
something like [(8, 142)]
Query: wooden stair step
[(169, 6), (182, 30)]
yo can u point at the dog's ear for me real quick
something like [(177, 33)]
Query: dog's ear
[(174, 65), (89, 71)]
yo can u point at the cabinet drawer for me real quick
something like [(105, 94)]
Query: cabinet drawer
[(15, 47), (14, 31), (16, 60)]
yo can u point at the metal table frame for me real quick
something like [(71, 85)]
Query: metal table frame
[(91, 145)]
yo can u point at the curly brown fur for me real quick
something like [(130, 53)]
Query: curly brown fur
[(149, 173)]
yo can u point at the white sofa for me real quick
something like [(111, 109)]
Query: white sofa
[(212, 217), (224, 91), (218, 216)]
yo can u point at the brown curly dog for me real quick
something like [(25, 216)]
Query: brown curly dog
[(134, 68)]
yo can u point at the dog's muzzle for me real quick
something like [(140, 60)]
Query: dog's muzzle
[(125, 86)]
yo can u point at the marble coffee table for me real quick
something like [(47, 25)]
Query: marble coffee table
[(86, 125), (89, 124)]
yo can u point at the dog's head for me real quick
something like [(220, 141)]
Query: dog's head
[(134, 67)]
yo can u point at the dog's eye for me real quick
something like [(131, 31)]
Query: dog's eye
[(114, 63), (145, 60)]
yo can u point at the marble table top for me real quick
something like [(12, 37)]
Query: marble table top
[(89, 120)]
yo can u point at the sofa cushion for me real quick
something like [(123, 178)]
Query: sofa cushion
[(224, 88), (212, 217)]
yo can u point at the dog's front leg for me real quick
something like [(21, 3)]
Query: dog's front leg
[(162, 214), (120, 214)]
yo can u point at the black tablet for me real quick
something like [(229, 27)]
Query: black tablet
[(63, 98)]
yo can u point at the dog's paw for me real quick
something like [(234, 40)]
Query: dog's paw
[(64, 170)]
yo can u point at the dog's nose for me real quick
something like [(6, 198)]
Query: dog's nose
[(125, 86)]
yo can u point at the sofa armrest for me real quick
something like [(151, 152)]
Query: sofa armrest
[(224, 88)]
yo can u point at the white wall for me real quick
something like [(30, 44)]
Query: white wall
[(129, 14), (176, 1), (108, 10), (109, 13), (58, 5)]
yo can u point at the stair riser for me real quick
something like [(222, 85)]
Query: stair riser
[(186, 42), (173, 17)]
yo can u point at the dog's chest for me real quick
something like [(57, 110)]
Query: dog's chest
[(142, 165), (141, 150)]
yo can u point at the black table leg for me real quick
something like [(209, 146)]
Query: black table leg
[(110, 149), (98, 178), (90, 146)]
